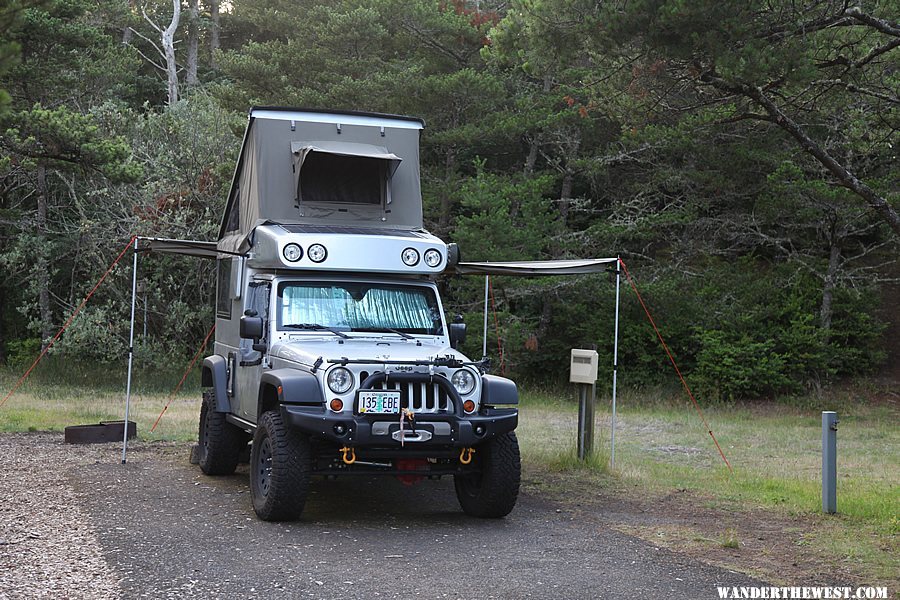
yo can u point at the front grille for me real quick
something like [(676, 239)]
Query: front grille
[(419, 397)]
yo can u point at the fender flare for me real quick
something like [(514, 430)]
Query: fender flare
[(214, 374), (291, 386), (498, 390)]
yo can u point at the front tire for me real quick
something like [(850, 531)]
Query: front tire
[(280, 465), (492, 493), (219, 442)]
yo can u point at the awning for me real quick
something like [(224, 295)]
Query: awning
[(183, 247), (536, 268), (302, 149)]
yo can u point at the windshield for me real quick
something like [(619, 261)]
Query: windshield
[(358, 307)]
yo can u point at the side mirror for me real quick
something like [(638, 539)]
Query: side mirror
[(251, 328), (457, 334)]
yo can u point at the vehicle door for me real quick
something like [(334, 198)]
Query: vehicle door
[(250, 362)]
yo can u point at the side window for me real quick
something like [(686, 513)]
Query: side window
[(232, 223), (223, 288), (259, 300), (330, 178)]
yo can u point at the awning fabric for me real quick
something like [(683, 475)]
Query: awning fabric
[(184, 247), (302, 149), (535, 268)]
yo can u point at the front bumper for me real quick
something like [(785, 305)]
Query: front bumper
[(378, 431)]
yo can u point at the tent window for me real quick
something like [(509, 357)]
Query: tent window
[(333, 178), (232, 222), (223, 288)]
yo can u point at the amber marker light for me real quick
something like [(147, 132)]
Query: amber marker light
[(468, 406), (337, 405)]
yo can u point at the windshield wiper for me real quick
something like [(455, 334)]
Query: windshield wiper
[(315, 327), (402, 334)]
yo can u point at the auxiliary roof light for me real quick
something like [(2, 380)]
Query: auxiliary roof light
[(410, 257), (292, 252), (317, 253), (432, 258)]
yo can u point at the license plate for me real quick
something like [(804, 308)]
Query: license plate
[(384, 402)]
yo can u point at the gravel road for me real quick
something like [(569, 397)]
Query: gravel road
[(75, 523)]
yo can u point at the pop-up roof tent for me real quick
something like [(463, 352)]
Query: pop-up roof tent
[(340, 170)]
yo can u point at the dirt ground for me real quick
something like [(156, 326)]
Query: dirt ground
[(76, 523)]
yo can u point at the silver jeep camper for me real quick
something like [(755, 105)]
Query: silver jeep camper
[(333, 353)]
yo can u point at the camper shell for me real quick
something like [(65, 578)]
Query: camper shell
[(333, 351)]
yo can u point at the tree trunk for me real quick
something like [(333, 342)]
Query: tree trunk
[(127, 33), (834, 262), (565, 195), (168, 43), (41, 264), (2, 335), (193, 42), (532, 157), (446, 209), (213, 32)]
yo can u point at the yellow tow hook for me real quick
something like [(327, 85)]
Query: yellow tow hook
[(465, 455), (348, 459)]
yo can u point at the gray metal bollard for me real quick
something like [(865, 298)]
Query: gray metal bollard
[(829, 461)]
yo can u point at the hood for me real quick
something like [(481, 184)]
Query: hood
[(306, 350)]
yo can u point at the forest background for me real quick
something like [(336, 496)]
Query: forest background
[(740, 156)]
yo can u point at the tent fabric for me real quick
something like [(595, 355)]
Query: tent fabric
[(265, 181), (184, 247), (536, 268)]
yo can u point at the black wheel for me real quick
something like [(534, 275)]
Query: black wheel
[(492, 493), (280, 464), (220, 442)]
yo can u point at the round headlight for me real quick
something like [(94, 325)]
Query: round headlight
[(432, 258), (463, 381), (317, 253), (410, 257), (292, 252), (340, 380)]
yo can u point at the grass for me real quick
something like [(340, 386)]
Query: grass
[(55, 399), (775, 451)]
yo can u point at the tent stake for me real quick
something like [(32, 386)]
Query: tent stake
[(130, 351), (612, 454)]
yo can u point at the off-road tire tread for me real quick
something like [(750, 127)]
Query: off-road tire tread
[(501, 476), (221, 455), (291, 466)]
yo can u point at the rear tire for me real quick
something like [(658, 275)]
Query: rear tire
[(280, 465), (492, 493), (220, 442)]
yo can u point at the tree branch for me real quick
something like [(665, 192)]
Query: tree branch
[(881, 25), (149, 41), (844, 176), (854, 88), (876, 52)]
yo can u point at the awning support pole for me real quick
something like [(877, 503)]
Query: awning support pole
[(487, 279), (130, 351), (612, 454)]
